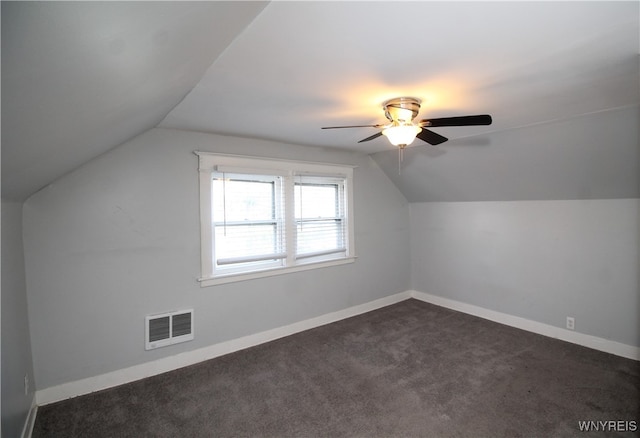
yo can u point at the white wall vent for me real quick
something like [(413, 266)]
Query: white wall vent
[(168, 328)]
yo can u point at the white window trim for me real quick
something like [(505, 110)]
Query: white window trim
[(209, 162)]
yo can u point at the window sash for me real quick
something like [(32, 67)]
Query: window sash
[(319, 235), (260, 236), (320, 232)]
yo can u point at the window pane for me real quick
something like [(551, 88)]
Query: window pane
[(315, 236), (242, 200), (245, 240), (316, 201)]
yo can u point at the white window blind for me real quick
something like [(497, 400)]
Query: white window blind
[(320, 217), (248, 221), (264, 217)]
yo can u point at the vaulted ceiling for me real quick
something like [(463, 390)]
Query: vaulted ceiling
[(561, 80)]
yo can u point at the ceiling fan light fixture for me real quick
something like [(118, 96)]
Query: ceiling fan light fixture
[(401, 135)]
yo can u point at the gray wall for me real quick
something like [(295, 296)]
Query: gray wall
[(16, 345), (118, 239), (540, 260)]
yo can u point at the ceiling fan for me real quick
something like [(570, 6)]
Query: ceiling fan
[(401, 131)]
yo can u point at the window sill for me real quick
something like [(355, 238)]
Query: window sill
[(232, 278)]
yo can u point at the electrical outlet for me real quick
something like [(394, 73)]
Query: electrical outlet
[(571, 323), (26, 384)]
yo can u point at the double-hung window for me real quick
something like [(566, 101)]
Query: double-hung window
[(248, 221), (320, 217), (265, 217)]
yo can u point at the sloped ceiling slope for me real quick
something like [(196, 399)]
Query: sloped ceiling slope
[(304, 65), (79, 78)]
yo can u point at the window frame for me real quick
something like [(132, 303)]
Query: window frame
[(291, 171)]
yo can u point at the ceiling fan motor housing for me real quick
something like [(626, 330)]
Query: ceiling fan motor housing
[(401, 109)]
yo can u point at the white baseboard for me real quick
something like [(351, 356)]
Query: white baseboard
[(617, 348), (137, 372), (27, 430)]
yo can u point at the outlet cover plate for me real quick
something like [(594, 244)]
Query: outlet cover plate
[(571, 323)]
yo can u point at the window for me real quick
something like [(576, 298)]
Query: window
[(266, 217), (320, 217), (248, 222)]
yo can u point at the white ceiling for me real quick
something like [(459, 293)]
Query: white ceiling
[(80, 78)]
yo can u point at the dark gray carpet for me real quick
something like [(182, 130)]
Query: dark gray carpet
[(409, 370)]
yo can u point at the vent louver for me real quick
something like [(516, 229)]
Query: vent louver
[(168, 328)]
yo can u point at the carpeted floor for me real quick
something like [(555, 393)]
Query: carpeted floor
[(408, 370)]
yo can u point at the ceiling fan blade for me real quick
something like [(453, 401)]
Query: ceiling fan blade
[(376, 135), (481, 119), (353, 126), (431, 137)]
